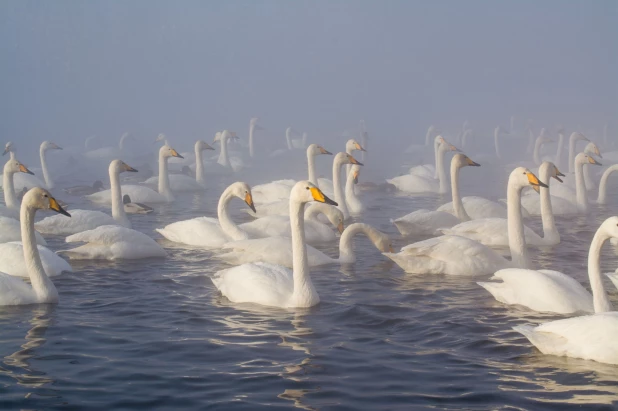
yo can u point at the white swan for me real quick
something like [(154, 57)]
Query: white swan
[(200, 146), (226, 163), (592, 149), (456, 255), (11, 167), (413, 183), (414, 148), (28, 181), (312, 151), (602, 198), (427, 222), (134, 208), (106, 154), (45, 147), (8, 148), (316, 232), (143, 194), (210, 232), (579, 196), (590, 337), (275, 285), (538, 144), (182, 182), (14, 291), (339, 160), (432, 170), (350, 147), (278, 250), (573, 139), (355, 206), (83, 220), (494, 232), (10, 231), (253, 127)]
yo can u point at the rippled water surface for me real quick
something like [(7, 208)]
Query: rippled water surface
[(156, 334)]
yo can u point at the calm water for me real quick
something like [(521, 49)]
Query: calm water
[(156, 334)]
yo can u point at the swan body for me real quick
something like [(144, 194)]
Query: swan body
[(110, 242), (478, 207), (210, 232), (456, 255), (13, 290), (13, 263), (278, 250), (273, 191), (137, 193), (431, 222), (135, 208), (107, 154), (10, 231), (275, 285)]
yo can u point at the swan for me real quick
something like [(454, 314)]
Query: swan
[(83, 220), (426, 222), (494, 232), (538, 144), (339, 160), (592, 149), (412, 183), (275, 285), (143, 194), (210, 232), (226, 162), (13, 290), (312, 151), (461, 256), (29, 181), (350, 147), (135, 208), (8, 148), (602, 198), (431, 131), (316, 232), (579, 197), (184, 182), (107, 154), (589, 337), (432, 170), (355, 206), (11, 167), (83, 190), (10, 231), (573, 139), (278, 250), (253, 127)]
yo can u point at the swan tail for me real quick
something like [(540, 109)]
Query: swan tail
[(497, 290), (547, 343)]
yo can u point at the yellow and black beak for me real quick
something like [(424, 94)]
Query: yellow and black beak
[(340, 227), (453, 148), (23, 169), (319, 196), (175, 154), (592, 161), (472, 163), (535, 182), (129, 168), (324, 151), (558, 175), (53, 204), (359, 147), (354, 161), (249, 201)]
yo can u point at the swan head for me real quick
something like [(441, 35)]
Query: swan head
[(556, 173), (354, 173), (332, 213), (8, 147), (160, 137), (592, 148), (48, 145), (201, 145), (445, 145), (610, 226), (316, 149), (522, 177), (382, 241), (13, 166), (583, 158), (305, 192), (41, 199), (576, 135), (243, 191), (462, 160), (166, 152), (353, 145), (119, 166)]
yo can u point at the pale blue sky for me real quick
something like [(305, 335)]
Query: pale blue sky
[(75, 68)]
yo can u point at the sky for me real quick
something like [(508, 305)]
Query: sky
[(71, 69)]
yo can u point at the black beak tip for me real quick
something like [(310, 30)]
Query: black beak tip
[(133, 170), (179, 156), (63, 212), (30, 172), (252, 207), (542, 184), (329, 201)]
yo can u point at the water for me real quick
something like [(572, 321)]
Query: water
[(156, 334)]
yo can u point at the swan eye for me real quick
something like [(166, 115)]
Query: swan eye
[(45, 195), (307, 188)]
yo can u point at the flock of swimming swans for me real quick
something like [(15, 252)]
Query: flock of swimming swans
[(271, 256)]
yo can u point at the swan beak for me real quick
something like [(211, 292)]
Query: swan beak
[(472, 163), (53, 204), (354, 161), (175, 154), (56, 147), (208, 147), (6, 150), (340, 227), (319, 196), (558, 175), (359, 147), (249, 201), (453, 148), (535, 182), (324, 151), (23, 169), (593, 161), (129, 168)]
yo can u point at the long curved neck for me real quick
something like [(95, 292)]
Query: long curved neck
[(117, 204), (10, 199), (199, 166), (572, 143), (48, 181), (497, 145), (602, 199), (517, 241), (251, 130), (304, 294), (557, 161), (580, 188), (599, 297), (350, 195), (288, 140), (339, 198), (346, 242), (427, 136), (464, 138), (588, 183), (164, 178), (442, 171), (550, 232), (530, 142), (224, 160), (42, 286), (122, 141), (228, 226), (537, 151), (460, 211), (436, 155), (311, 167)]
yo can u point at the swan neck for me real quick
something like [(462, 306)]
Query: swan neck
[(223, 157), (346, 242), (10, 199), (228, 226), (599, 296), (497, 145), (602, 199), (517, 241), (288, 140), (427, 136), (537, 150), (460, 211), (304, 294), (122, 141), (117, 205), (42, 286), (199, 166), (550, 232), (350, 194), (251, 130), (440, 167), (48, 181), (580, 188), (557, 161), (164, 178), (339, 198), (311, 167)]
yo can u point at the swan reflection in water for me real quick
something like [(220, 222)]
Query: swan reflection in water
[(17, 365)]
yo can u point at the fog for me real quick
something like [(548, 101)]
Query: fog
[(187, 69)]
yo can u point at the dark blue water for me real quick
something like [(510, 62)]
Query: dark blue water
[(156, 334)]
